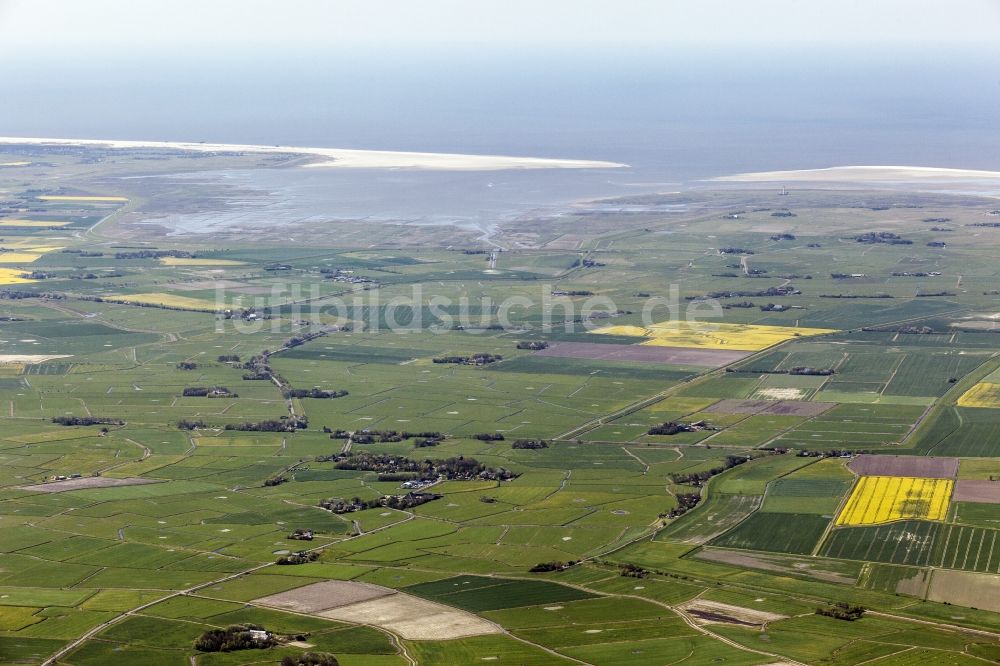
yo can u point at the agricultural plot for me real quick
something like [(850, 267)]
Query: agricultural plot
[(985, 395), (972, 490), (713, 335), (924, 467), (216, 507), (919, 543), (881, 499), (363, 603), (642, 353), (718, 514), (479, 594), (796, 533)]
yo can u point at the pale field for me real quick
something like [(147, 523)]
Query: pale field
[(324, 596), (965, 588), (983, 394), (883, 499), (32, 223), (11, 276), (779, 394), (54, 197), (30, 358), (751, 615), (413, 618), (188, 261), (168, 300), (710, 335)]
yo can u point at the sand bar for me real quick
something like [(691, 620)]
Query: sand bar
[(337, 157), (865, 174)]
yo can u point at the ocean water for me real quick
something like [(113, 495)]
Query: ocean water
[(676, 117)]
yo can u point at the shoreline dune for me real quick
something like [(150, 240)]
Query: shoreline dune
[(864, 174), (339, 157)]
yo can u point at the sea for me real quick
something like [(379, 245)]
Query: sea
[(677, 117)]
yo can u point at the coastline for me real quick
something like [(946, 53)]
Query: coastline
[(340, 157), (864, 174)]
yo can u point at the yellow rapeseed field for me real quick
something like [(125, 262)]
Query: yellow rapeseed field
[(18, 257), (10, 276), (53, 197), (882, 499), (712, 335), (33, 223), (983, 394), (193, 261), (168, 300)]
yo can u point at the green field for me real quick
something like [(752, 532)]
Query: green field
[(533, 458)]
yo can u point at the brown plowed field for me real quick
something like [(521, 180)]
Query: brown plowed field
[(925, 468), (984, 492), (708, 358), (782, 407)]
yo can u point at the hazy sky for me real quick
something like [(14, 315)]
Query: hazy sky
[(100, 25)]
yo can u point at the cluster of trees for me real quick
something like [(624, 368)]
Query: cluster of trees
[(530, 444), (457, 468), (670, 428), (187, 365), (882, 237), (275, 481), (829, 453), (190, 424), (533, 345), (300, 534), (479, 358), (235, 637), (257, 368), (685, 502), (94, 276), (572, 292), (310, 659), (545, 567), (386, 436), (300, 557), (785, 290), (489, 437), (208, 392), (698, 479), (16, 295), (407, 501), (313, 393), (784, 213), (283, 425), (633, 571), (783, 237), (734, 250), (153, 254), (229, 358), (86, 420), (843, 611)]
